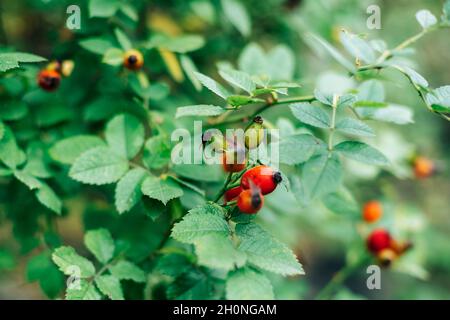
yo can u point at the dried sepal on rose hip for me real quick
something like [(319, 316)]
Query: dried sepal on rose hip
[(133, 60), (254, 134), (372, 211), (64, 67), (48, 80), (386, 257), (263, 177), (251, 200)]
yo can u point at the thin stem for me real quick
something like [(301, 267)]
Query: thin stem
[(389, 53), (222, 119), (224, 188), (333, 122), (340, 277)]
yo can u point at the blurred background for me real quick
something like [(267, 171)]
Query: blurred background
[(417, 210)]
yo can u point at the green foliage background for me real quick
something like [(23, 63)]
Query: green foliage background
[(44, 210)]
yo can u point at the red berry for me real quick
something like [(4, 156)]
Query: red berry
[(250, 201), (232, 193), (49, 80), (423, 167), (263, 177), (378, 240), (372, 211)]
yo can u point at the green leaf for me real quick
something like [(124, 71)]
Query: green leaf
[(100, 243), (218, 252), (310, 114), (128, 190), (237, 100), (237, 15), (51, 114), (123, 39), (97, 45), (125, 270), (37, 161), (357, 47), (321, 175), (113, 56), (281, 63), (125, 135), (354, 127), (199, 110), (27, 179), (69, 149), (248, 284), (439, 99), (369, 104), (189, 68), (266, 252), (85, 291), (11, 60), (66, 259), (10, 154), (99, 165), (334, 53), (371, 90), (392, 113), (197, 172), (253, 60), (40, 268), (129, 11), (440, 108), (201, 221), (2, 130), (296, 148), (342, 202), (7, 261), (446, 11), (47, 197), (188, 185), (173, 264), (239, 79), (110, 286), (342, 100), (426, 19), (161, 189), (190, 285), (157, 152), (155, 91), (362, 152), (212, 85), (103, 8), (13, 110), (417, 79), (184, 43)]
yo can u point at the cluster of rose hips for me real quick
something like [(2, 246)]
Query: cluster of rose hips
[(49, 78), (380, 242), (256, 182), (385, 248)]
